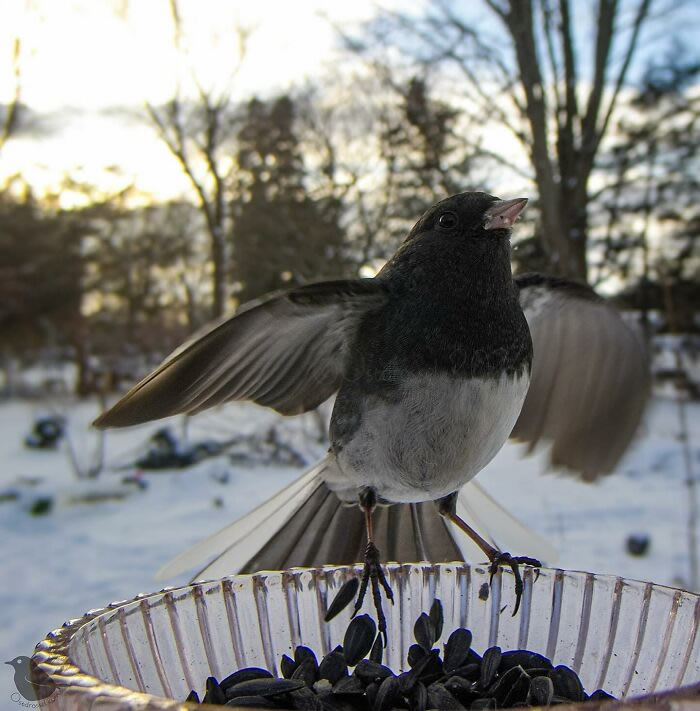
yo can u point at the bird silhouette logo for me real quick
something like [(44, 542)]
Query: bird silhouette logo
[(32, 683)]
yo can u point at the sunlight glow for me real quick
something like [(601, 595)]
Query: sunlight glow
[(88, 67)]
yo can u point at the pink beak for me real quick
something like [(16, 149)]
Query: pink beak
[(503, 213)]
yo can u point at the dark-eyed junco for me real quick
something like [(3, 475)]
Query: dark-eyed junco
[(432, 361)]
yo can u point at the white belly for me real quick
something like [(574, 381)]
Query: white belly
[(432, 440)]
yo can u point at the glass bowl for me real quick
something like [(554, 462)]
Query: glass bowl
[(630, 638)]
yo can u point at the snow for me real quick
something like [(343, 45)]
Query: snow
[(82, 555)]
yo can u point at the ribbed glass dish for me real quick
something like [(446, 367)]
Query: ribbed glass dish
[(627, 637)]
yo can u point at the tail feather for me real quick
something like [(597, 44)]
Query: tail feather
[(235, 541), (306, 524)]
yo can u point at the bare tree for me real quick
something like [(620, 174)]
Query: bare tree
[(531, 83), (196, 131)]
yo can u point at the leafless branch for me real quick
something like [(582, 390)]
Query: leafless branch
[(640, 17)]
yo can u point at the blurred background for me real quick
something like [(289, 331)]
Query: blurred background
[(163, 161)]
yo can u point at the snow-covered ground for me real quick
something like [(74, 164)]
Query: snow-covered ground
[(82, 555)]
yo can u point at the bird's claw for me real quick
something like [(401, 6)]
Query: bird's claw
[(373, 573), (514, 562)]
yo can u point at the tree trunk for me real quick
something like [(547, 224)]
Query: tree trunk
[(573, 211)]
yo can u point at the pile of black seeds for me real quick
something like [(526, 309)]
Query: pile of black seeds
[(458, 679)]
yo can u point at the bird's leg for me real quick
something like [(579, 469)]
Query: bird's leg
[(448, 509), (372, 572)]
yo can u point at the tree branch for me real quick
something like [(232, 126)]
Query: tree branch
[(641, 15), (607, 9)]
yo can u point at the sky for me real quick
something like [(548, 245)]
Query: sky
[(88, 67)]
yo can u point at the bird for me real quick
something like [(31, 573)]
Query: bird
[(434, 363), (31, 681)]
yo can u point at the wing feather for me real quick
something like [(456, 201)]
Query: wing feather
[(590, 376), (287, 352)]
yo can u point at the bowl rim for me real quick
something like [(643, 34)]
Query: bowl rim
[(52, 654)]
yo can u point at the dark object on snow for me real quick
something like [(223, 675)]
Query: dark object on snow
[(167, 453), (496, 680), (41, 506), (638, 544), (46, 433)]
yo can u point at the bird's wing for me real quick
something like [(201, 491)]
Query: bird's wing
[(590, 376), (287, 352)]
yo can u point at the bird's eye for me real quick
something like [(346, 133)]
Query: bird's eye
[(447, 220)]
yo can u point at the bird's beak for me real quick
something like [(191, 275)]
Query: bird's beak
[(10, 663), (503, 213)]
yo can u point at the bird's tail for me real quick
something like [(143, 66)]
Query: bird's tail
[(306, 524)]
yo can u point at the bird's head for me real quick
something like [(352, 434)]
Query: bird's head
[(465, 236), (470, 216)]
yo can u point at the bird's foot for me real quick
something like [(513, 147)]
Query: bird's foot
[(514, 562), (374, 574)]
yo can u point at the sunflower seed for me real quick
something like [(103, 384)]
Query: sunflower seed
[(566, 683), (264, 687), (343, 598), (304, 700), (369, 671), (489, 666), (358, 640), (307, 672), (214, 693), (333, 667), (377, 651), (541, 691), (457, 649), (600, 695), (387, 694), (287, 666), (371, 693), (415, 654), (424, 632), (511, 687), (419, 698), (244, 675), (440, 698), (524, 658), (302, 654), (461, 689), (436, 617), (511, 679), (351, 685)]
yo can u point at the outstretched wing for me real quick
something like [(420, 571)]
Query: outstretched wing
[(287, 352), (590, 376)]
